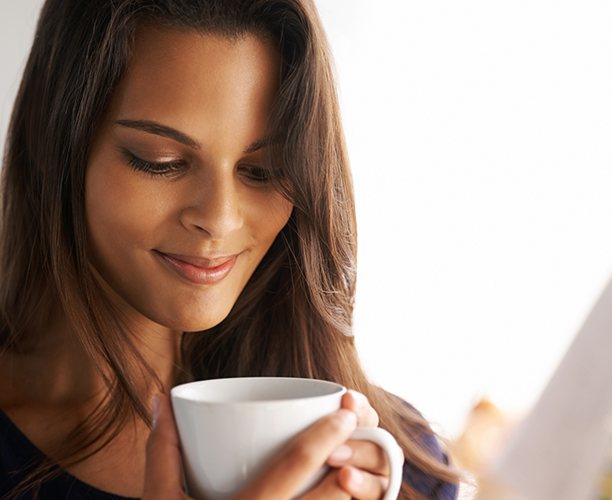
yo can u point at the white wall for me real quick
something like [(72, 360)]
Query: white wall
[(480, 136), (17, 24), (479, 133)]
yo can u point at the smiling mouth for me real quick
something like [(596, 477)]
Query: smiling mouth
[(197, 270)]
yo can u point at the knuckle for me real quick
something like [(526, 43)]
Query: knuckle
[(358, 396), (341, 422), (336, 425), (375, 419), (302, 454)]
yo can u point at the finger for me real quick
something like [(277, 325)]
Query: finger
[(303, 457), (329, 489), (163, 475), (364, 455), (362, 485), (357, 402)]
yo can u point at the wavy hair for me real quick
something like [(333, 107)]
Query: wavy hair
[(293, 318)]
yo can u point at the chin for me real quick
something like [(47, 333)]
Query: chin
[(197, 324)]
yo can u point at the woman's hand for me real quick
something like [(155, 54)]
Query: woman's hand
[(359, 470), (163, 473), (362, 469), (305, 455)]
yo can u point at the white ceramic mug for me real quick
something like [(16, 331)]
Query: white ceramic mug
[(230, 429)]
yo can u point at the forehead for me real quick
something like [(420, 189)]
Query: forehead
[(183, 76)]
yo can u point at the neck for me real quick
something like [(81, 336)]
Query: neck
[(59, 372), (51, 390)]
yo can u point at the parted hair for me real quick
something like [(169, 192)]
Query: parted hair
[(294, 316)]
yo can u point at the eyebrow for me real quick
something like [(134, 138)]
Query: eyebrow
[(155, 128)]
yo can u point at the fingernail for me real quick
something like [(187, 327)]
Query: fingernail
[(154, 409), (356, 478), (341, 455)]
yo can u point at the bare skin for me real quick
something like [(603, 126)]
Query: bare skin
[(173, 172)]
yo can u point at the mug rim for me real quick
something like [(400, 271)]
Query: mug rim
[(178, 392)]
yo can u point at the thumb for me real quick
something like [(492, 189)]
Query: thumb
[(163, 475)]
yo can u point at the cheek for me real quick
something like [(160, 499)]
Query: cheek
[(120, 211), (273, 216)]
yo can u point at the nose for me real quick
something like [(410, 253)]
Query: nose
[(214, 207)]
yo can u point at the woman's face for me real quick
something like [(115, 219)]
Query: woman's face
[(179, 212)]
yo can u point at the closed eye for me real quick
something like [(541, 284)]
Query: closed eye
[(256, 174), (165, 168)]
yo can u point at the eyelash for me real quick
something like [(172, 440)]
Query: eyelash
[(256, 175), (155, 169)]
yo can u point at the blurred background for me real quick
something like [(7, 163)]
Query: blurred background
[(479, 136)]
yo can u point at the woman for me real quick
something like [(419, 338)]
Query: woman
[(177, 205)]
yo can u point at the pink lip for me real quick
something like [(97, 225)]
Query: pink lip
[(201, 271)]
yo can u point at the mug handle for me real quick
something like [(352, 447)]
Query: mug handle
[(394, 453)]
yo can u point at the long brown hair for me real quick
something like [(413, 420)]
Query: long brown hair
[(294, 317)]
